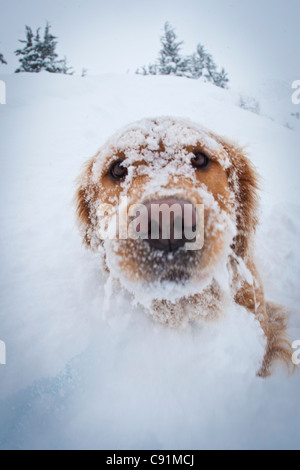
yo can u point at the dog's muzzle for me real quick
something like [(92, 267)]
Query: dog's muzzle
[(170, 222)]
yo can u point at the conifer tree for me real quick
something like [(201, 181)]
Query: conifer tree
[(210, 67), (169, 61), (39, 54), (197, 62), (2, 60), (142, 70), (152, 69), (30, 59), (203, 65), (221, 79)]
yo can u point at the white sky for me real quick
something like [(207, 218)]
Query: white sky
[(252, 39)]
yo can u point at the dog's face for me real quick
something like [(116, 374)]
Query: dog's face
[(158, 164)]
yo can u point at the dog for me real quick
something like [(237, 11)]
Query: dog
[(172, 161)]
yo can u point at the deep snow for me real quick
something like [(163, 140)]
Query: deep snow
[(76, 378)]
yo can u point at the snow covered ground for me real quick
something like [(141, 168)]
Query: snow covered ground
[(77, 379)]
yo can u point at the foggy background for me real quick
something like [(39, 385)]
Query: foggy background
[(253, 40)]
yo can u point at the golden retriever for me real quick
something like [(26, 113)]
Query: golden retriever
[(175, 161)]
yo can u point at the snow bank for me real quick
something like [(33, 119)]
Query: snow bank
[(77, 379)]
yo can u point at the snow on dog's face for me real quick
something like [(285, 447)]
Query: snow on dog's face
[(157, 163)]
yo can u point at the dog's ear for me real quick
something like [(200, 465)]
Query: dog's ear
[(244, 183), (84, 200)]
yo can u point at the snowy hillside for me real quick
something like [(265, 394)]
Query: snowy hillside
[(77, 377)]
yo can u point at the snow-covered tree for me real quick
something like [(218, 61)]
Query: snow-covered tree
[(221, 79), (250, 104), (152, 69), (2, 60), (210, 67), (143, 70), (39, 54), (197, 62), (30, 60), (169, 61), (203, 65)]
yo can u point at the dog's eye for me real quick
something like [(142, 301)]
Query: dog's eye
[(200, 160), (117, 171)]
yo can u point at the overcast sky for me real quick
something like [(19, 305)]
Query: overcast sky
[(252, 39)]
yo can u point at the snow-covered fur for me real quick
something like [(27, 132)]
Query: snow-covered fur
[(181, 286)]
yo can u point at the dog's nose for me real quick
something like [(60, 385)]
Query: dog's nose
[(171, 223)]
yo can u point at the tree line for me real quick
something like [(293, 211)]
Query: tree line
[(39, 53)]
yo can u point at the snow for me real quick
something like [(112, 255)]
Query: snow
[(86, 367)]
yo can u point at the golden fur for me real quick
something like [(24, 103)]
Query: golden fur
[(240, 179)]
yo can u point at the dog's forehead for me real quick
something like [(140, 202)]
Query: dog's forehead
[(163, 137), (171, 133)]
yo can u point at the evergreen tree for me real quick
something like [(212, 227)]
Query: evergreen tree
[(169, 61), (221, 79), (203, 65), (152, 69), (2, 60), (211, 68), (38, 55), (197, 62), (143, 70), (30, 60), (250, 104)]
